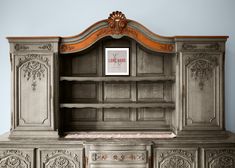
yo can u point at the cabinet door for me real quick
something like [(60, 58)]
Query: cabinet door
[(202, 89), (33, 82), (219, 158), (34, 75), (60, 158), (175, 157), (16, 158)]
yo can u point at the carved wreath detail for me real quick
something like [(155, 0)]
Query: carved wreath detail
[(62, 159), (175, 162), (34, 68), (117, 22), (175, 152), (223, 158), (223, 162), (13, 162), (62, 162), (14, 159), (202, 67)]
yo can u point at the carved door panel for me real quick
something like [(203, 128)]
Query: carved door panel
[(60, 158), (219, 158), (16, 158), (33, 81), (175, 157), (202, 90)]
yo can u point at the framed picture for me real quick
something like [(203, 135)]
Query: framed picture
[(116, 61)]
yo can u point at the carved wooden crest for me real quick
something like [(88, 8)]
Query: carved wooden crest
[(117, 26), (117, 22)]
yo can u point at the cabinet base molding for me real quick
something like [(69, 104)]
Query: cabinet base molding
[(127, 153), (33, 134)]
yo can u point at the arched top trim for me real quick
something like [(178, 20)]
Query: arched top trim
[(117, 26)]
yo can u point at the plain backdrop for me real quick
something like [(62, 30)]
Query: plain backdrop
[(70, 17)]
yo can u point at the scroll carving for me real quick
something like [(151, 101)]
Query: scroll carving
[(201, 47), (175, 162), (19, 47), (62, 159), (14, 159), (221, 158), (118, 157), (117, 22), (202, 66), (34, 67), (33, 47), (223, 161), (46, 47), (176, 158)]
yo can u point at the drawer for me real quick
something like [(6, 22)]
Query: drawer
[(176, 157), (218, 157), (60, 157), (118, 156), (16, 158)]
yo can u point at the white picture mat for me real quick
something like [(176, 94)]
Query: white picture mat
[(107, 65)]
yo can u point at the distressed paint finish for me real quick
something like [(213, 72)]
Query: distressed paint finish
[(116, 26), (60, 158), (34, 72), (176, 157), (219, 157), (16, 158), (175, 85)]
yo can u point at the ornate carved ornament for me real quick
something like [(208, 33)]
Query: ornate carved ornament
[(221, 158), (176, 158), (201, 67), (117, 22), (14, 159), (177, 152), (119, 156), (117, 26), (61, 159), (33, 47), (201, 47), (34, 67), (175, 162)]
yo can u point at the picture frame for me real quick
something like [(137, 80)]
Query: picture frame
[(117, 61)]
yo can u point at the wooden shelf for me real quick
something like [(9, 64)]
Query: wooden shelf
[(126, 78), (118, 105)]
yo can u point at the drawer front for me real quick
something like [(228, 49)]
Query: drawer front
[(117, 166), (16, 158), (176, 157), (60, 158), (118, 156), (219, 157)]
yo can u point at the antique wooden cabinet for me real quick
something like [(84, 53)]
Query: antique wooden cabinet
[(70, 111)]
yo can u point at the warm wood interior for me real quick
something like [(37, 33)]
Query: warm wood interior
[(144, 100)]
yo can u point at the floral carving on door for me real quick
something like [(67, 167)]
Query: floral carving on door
[(34, 68)]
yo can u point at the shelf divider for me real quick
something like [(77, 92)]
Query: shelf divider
[(126, 78), (118, 105)]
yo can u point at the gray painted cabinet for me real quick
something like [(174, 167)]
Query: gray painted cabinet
[(167, 113)]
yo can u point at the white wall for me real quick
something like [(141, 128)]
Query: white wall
[(70, 17)]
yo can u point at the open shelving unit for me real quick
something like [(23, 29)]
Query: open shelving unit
[(92, 101)]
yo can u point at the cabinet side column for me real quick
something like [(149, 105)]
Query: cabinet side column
[(34, 77), (200, 86)]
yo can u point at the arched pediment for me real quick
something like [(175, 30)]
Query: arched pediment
[(117, 26)]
